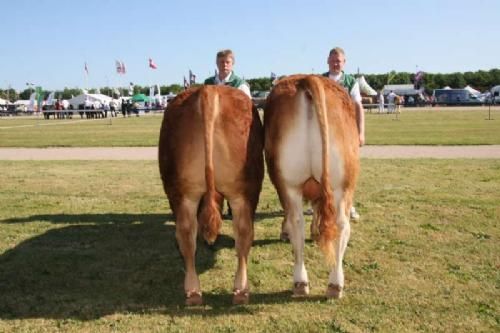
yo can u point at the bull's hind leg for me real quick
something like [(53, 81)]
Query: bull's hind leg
[(295, 229), (185, 232), (336, 278), (243, 234), (315, 221)]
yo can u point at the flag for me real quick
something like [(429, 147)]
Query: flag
[(419, 76), (152, 64), (131, 89), (39, 97), (31, 105), (192, 78), (186, 83), (120, 67), (86, 68), (152, 93), (50, 98), (273, 76), (159, 91)]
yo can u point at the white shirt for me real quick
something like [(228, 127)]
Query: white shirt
[(391, 97), (244, 87), (355, 93)]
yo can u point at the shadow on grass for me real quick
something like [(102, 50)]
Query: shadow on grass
[(99, 264)]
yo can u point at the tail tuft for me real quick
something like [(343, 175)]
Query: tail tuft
[(209, 218)]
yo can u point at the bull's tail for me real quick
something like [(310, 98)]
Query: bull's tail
[(315, 92), (209, 217)]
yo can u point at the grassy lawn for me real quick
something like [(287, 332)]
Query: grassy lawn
[(424, 126), (90, 247)]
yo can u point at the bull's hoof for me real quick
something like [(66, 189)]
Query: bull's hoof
[(194, 298), (240, 297), (334, 291), (300, 289), (284, 236)]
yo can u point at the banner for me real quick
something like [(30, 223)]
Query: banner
[(50, 98), (39, 97)]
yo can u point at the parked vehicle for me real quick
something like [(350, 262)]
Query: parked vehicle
[(454, 97)]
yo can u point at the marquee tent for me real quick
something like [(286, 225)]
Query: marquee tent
[(365, 88), (140, 98), (402, 89), (92, 98), (472, 90)]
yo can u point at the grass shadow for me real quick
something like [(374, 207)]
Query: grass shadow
[(107, 218), (100, 264)]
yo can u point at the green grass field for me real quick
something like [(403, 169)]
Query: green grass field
[(426, 126), (90, 247)]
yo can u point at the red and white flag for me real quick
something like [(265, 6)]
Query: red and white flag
[(120, 67), (152, 64), (192, 78)]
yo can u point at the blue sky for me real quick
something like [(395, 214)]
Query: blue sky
[(47, 42)]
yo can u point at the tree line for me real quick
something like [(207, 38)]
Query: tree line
[(480, 80)]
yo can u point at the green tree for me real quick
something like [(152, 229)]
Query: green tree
[(456, 80)]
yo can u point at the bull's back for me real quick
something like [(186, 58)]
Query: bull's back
[(237, 138), (293, 139)]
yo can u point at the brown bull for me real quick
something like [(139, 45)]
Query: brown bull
[(211, 143), (312, 153)]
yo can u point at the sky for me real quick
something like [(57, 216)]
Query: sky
[(47, 42)]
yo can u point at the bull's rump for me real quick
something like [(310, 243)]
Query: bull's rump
[(293, 140), (237, 141)]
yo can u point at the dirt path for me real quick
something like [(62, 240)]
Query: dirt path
[(150, 153)]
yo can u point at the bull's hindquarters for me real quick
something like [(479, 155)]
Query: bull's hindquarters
[(311, 146), (211, 143)]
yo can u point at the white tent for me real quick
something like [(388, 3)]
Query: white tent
[(4, 101), (92, 98), (365, 88), (24, 102), (401, 89), (447, 88), (472, 90), (495, 88)]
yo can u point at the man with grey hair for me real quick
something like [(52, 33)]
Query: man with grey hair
[(225, 75), (336, 62)]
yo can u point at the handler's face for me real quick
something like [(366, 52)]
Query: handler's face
[(225, 66), (336, 63)]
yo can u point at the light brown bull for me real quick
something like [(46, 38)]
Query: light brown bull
[(312, 153), (211, 143)]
